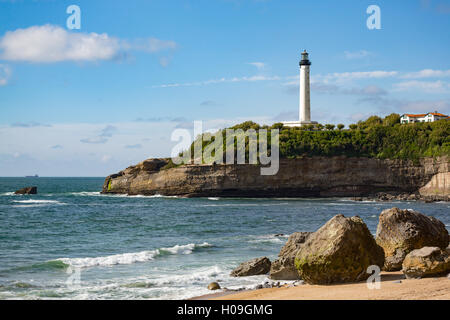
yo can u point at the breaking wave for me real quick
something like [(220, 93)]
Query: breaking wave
[(132, 257), (36, 203)]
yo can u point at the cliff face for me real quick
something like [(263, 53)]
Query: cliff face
[(304, 177)]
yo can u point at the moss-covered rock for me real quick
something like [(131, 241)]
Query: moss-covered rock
[(284, 267), (401, 231), (426, 262), (340, 251)]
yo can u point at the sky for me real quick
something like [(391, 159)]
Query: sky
[(95, 100)]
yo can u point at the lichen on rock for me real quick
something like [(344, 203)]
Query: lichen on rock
[(340, 251), (401, 231)]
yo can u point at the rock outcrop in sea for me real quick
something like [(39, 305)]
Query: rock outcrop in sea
[(401, 231), (340, 251), (27, 190), (338, 176)]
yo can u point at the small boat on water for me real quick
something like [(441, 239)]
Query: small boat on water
[(35, 176)]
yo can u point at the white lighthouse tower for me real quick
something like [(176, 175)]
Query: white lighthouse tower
[(304, 98)]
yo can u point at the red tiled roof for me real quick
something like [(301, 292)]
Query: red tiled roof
[(423, 115), (438, 114), (415, 115)]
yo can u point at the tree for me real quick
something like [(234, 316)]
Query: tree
[(319, 126), (370, 122), (278, 125), (340, 126), (381, 140), (391, 119), (329, 127)]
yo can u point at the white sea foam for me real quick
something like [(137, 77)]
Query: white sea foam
[(132, 257), (161, 196), (244, 204), (269, 238), (121, 195), (185, 249), (86, 193), (7, 194), (36, 203), (199, 275), (213, 198)]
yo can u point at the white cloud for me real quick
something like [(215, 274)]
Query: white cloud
[(154, 45), (151, 45), (106, 158), (133, 146), (49, 43), (164, 61), (220, 80), (53, 44), (29, 124), (108, 131), (357, 54), (5, 73), (378, 74), (427, 73), (425, 86), (258, 65), (94, 140)]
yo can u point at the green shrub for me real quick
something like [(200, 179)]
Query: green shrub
[(374, 138)]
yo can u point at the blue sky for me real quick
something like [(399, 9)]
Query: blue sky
[(90, 102)]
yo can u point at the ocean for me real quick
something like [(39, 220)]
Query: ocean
[(71, 242)]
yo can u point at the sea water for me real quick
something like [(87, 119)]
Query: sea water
[(71, 242)]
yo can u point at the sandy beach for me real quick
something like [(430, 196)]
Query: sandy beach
[(393, 287)]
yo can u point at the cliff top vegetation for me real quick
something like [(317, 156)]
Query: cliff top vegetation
[(375, 137)]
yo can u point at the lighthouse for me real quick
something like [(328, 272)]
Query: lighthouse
[(304, 95)]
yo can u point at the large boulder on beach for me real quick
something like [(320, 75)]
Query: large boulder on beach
[(254, 267), (340, 251), (426, 262), (27, 190), (284, 268), (401, 231)]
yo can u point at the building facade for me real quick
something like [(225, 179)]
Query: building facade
[(426, 117)]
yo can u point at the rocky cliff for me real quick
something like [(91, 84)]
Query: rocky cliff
[(303, 177)]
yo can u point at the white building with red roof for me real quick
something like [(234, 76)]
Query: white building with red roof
[(426, 117)]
